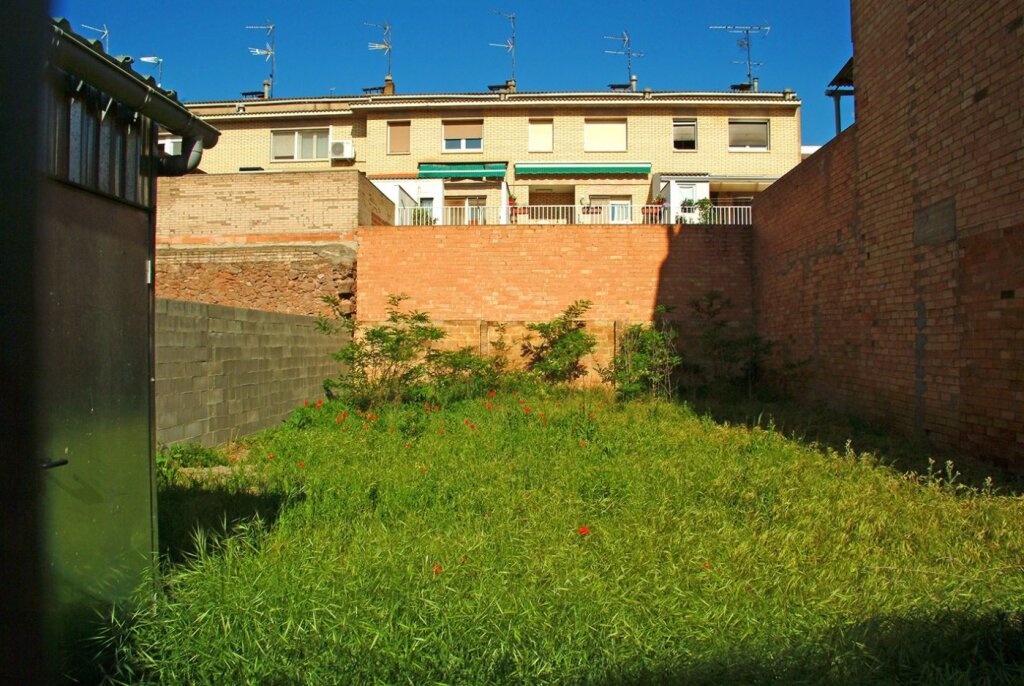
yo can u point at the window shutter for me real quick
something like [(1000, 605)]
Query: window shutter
[(604, 135), (283, 145), (541, 135), (463, 129), (398, 136)]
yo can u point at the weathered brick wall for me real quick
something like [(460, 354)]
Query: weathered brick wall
[(223, 373), (282, 278), (475, 277), (894, 257), (263, 208)]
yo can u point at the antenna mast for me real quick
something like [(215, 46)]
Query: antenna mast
[(269, 52), (627, 50), (104, 35), (744, 44), (385, 43), (510, 44)]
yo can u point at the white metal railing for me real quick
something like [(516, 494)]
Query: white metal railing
[(609, 213)]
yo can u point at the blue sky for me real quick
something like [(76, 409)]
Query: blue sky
[(442, 45)]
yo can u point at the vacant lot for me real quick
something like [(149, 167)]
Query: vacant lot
[(559, 538)]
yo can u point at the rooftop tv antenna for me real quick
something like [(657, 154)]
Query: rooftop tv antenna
[(159, 62), (267, 51), (385, 43), (744, 44), (510, 44), (627, 50), (104, 35)]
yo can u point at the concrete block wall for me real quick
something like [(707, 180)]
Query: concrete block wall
[(223, 372), (894, 257)]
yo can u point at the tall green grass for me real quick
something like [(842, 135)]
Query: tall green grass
[(558, 538)]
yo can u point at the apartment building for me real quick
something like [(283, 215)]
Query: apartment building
[(504, 156)]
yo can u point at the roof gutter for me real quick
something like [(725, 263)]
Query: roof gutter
[(76, 56)]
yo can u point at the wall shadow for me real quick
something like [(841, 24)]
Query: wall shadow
[(951, 648), (184, 509), (827, 428)]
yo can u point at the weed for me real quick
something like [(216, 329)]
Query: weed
[(564, 342), (646, 360)]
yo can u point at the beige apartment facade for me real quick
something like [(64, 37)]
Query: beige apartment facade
[(556, 157)]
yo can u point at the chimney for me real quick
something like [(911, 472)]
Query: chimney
[(389, 85), (510, 86), (756, 83), (632, 82), (266, 89)]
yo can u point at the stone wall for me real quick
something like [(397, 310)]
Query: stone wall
[(283, 278), (893, 258), (223, 373)]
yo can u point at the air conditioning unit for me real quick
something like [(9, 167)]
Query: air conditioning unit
[(342, 150)]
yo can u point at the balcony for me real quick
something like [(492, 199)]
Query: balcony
[(614, 213)]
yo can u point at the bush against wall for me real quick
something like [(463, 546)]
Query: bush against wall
[(646, 360), (564, 341)]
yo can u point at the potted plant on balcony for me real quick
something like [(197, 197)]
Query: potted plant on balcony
[(655, 207), (511, 201)]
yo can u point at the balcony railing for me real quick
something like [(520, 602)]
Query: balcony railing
[(613, 213)]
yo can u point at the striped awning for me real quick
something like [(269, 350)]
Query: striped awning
[(582, 168), (463, 170)]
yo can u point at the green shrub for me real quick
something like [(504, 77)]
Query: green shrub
[(732, 357), (646, 360), (383, 363), (564, 342)]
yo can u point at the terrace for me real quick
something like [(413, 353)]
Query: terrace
[(610, 213)]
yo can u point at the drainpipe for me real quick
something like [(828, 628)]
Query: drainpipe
[(72, 54)]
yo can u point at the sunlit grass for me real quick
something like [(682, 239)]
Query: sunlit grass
[(560, 538)]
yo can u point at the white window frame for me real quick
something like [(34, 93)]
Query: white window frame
[(625, 123), (680, 122), (297, 147), (170, 145), (751, 148), (462, 147)]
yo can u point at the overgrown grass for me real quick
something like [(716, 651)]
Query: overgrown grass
[(558, 538)]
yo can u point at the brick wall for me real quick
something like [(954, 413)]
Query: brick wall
[(894, 257), (260, 208), (223, 373), (473, 277)]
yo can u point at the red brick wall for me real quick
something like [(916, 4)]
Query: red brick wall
[(894, 257), (478, 274)]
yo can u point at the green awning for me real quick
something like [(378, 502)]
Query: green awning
[(582, 168), (463, 170)]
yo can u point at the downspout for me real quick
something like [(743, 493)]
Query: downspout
[(181, 164)]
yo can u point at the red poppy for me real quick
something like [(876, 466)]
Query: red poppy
[(302, 465), (472, 427), (408, 445), (437, 408), (527, 409), (584, 531), (270, 456), (344, 415), (706, 565), (319, 404), (440, 431), (307, 403), (437, 568), (489, 407), (582, 443), (234, 458), (492, 393), (466, 422)]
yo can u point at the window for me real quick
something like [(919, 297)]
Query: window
[(398, 137), (748, 135), (684, 134), (170, 146), (463, 135), (304, 144), (604, 135), (541, 136)]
